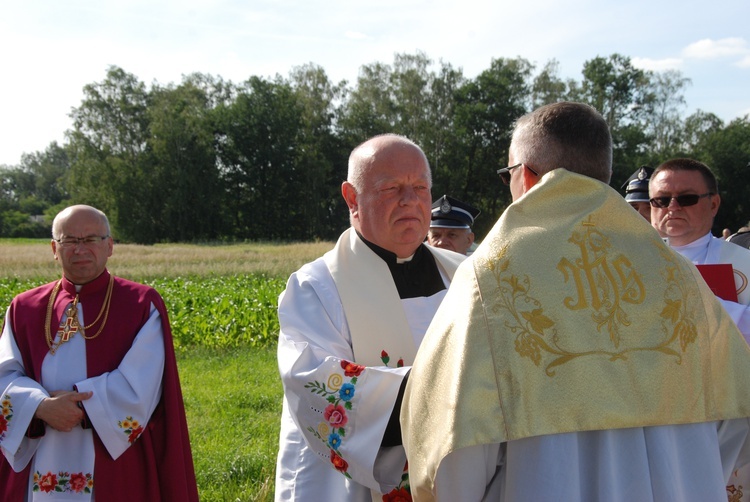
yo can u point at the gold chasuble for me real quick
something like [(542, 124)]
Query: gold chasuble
[(374, 312), (572, 315)]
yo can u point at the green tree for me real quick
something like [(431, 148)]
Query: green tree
[(184, 164), (259, 135), (111, 158), (486, 108), (727, 152), (623, 95), (547, 86), (370, 108), (321, 160), (666, 126)]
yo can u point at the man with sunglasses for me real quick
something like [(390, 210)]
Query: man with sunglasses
[(684, 201), (575, 356)]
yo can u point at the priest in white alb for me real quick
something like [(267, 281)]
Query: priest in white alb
[(351, 323)]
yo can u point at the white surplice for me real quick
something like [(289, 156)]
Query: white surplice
[(313, 341), (111, 409), (711, 250)]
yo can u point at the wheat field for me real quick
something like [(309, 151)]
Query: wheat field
[(26, 259)]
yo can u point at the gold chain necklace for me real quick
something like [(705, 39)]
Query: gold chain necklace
[(72, 326)]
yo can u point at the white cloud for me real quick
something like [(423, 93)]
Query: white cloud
[(744, 62), (713, 49), (354, 35), (657, 64)]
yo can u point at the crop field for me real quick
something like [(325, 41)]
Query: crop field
[(222, 307)]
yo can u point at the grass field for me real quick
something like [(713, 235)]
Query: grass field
[(221, 301)]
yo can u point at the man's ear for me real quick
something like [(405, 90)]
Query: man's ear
[(529, 179), (350, 196), (715, 203)]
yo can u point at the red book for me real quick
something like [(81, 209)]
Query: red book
[(720, 278)]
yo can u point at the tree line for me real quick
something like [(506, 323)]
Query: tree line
[(212, 160)]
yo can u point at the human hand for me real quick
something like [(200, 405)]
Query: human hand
[(62, 410)]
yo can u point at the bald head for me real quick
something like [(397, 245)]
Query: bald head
[(388, 193), (70, 211), (81, 243)]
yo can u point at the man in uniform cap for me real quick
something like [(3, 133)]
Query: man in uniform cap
[(636, 191), (451, 223)]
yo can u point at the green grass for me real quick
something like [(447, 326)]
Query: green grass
[(233, 404)]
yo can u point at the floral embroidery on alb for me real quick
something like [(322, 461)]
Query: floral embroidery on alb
[(132, 428), (5, 416), (338, 392), (76, 482), (386, 359)]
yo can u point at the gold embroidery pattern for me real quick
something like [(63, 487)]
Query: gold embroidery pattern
[(610, 288), (609, 284)]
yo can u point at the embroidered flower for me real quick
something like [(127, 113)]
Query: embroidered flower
[(386, 359), (132, 428), (5, 415), (63, 482), (77, 482), (48, 482), (334, 440), (346, 392), (397, 495), (351, 369), (339, 463), (339, 394), (402, 493), (336, 415)]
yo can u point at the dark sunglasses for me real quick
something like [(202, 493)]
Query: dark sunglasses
[(505, 172), (690, 199)]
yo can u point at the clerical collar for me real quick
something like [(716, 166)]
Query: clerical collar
[(415, 276), (95, 286)]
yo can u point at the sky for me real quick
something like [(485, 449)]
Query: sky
[(51, 49)]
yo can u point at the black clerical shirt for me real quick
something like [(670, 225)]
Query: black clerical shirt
[(414, 278)]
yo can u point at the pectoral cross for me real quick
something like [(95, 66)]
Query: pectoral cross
[(70, 327)]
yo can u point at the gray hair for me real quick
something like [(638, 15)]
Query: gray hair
[(566, 134)]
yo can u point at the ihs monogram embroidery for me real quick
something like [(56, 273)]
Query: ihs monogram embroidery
[(600, 284)]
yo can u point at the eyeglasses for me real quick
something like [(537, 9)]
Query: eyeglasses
[(689, 199), (505, 172), (88, 241)]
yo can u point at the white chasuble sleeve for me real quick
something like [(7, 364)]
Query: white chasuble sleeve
[(341, 408), (19, 398), (124, 399)]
